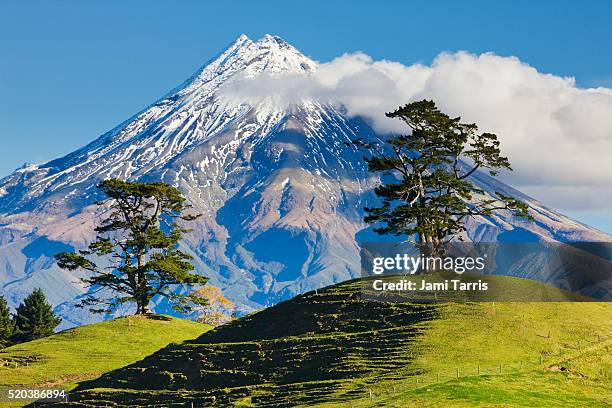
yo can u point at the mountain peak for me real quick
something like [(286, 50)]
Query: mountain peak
[(269, 39), (282, 56), (270, 54), (242, 38)]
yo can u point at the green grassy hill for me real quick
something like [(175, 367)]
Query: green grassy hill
[(332, 348), (86, 352)]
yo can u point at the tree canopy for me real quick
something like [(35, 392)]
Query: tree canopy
[(218, 309), (426, 191), (34, 318), (139, 236)]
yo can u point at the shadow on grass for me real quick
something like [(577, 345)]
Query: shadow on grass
[(159, 317)]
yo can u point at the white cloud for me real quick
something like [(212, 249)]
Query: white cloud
[(557, 136)]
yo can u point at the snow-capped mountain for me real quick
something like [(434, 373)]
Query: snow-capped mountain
[(280, 192)]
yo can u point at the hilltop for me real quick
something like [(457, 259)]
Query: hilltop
[(82, 353), (331, 348)]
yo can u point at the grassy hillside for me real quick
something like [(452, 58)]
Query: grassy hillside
[(332, 348), (86, 352), (489, 355)]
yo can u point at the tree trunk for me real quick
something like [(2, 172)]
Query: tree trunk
[(142, 306), (141, 280)]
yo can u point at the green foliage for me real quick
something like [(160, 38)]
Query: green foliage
[(34, 318), (430, 195), (140, 236), (6, 323)]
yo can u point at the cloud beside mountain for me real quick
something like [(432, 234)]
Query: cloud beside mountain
[(558, 136)]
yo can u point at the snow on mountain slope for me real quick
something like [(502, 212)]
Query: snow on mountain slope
[(281, 192)]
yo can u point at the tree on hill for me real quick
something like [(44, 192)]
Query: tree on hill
[(140, 237), (6, 323), (34, 318), (218, 309), (426, 190)]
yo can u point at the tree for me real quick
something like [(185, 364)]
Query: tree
[(428, 193), (6, 323), (140, 237), (34, 318), (218, 309)]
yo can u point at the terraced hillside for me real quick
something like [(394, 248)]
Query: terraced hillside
[(334, 349)]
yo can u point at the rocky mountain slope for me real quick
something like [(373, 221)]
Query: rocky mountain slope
[(280, 192)]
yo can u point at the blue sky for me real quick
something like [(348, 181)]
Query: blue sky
[(70, 70)]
